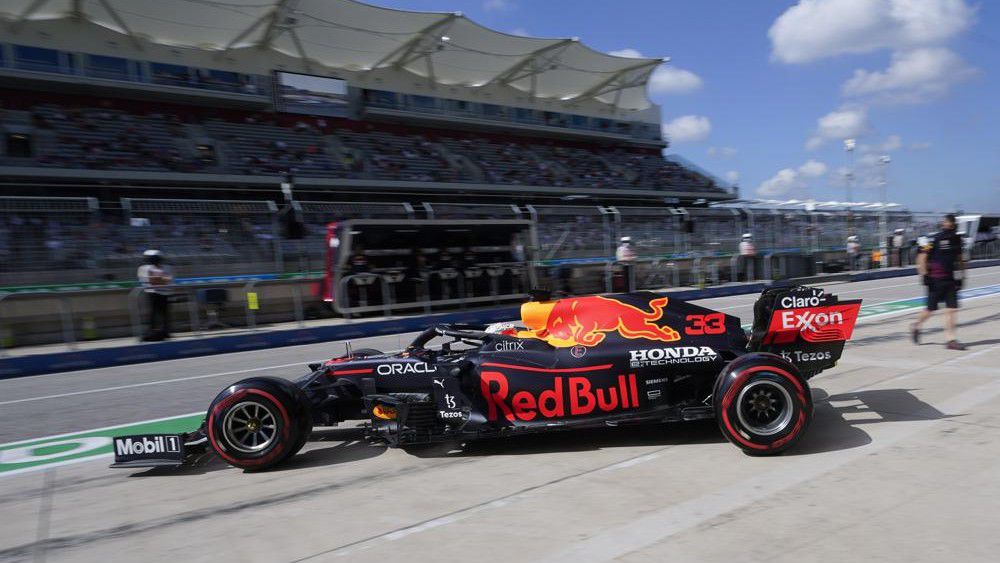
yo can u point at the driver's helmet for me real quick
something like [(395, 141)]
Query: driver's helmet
[(507, 329)]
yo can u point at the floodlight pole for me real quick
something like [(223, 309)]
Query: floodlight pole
[(883, 163), (849, 145)]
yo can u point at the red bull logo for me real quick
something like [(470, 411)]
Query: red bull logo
[(586, 321)]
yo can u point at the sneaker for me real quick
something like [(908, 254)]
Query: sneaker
[(915, 334), (955, 345)]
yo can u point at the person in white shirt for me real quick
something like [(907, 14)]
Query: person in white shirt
[(153, 276), (897, 247), (853, 252), (625, 255), (748, 257)]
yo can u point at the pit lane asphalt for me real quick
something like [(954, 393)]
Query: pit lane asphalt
[(899, 464)]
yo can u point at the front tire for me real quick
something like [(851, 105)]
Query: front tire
[(258, 423), (762, 404)]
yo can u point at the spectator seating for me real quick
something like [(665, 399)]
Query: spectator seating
[(259, 148), (107, 138), (111, 139)]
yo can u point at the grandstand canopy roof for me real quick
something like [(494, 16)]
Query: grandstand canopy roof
[(343, 34)]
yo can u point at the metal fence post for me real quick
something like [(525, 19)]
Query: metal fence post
[(3, 347), (134, 314), (193, 311), (66, 316), (251, 315), (297, 303)]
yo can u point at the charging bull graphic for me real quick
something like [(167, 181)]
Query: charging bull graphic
[(585, 320)]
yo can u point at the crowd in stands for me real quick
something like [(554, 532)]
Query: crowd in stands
[(107, 138)]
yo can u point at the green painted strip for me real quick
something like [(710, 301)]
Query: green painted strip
[(19, 457)]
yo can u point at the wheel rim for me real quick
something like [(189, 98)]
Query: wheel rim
[(764, 408), (250, 427)]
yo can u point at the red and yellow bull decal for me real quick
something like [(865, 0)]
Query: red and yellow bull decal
[(585, 321)]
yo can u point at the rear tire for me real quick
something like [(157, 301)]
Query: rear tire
[(258, 423), (762, 404)]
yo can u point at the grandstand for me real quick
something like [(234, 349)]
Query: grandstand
[(122, 130)]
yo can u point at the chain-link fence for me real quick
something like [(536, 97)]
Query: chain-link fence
[(654, 231), (48, 233), (573, 231), (203, 236)]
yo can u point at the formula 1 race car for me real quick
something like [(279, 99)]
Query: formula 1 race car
[(577, 362)]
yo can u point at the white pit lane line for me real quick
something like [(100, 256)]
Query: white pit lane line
[(148, 383)]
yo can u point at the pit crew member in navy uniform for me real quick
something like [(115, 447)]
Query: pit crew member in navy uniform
[(943, 270)]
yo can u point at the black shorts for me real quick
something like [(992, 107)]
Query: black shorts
[(942, 290)]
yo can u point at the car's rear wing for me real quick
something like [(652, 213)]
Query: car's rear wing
[(804, 325)]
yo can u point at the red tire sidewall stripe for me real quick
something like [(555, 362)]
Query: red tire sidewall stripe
[(231, 399), (727, 400)]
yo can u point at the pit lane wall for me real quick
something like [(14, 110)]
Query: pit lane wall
[(36, 364)]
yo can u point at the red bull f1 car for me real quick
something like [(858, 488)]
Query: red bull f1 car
[(577, 362)]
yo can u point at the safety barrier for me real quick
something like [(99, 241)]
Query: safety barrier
[(65, 317)]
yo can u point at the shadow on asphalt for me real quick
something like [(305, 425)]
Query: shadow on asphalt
[(838, 419), (698, 432), (344, 445)]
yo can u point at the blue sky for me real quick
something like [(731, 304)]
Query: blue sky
[(766, 90)]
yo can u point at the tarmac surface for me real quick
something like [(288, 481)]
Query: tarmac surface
[(902, 462)]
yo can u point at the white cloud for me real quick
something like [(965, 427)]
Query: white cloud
[(781, 183), (671, 80), (732, 176), (721, 152), (497, 5), (687, 128), (842, 123), (812, 169), (913, 76), (816, 29), (665, 79), (791, 179), (814, 142), (523, 32), (891, 143)]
